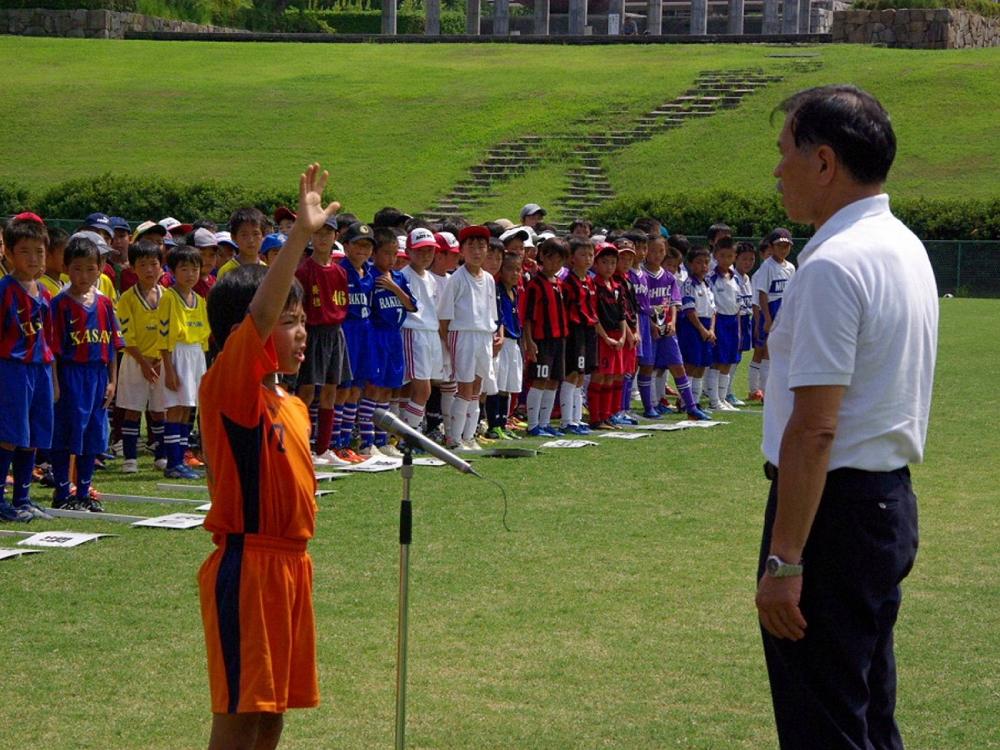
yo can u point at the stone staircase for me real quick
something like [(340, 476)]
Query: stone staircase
[(587, 183)]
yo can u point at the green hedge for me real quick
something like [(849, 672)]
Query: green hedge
[(122, 5), (370, 21), (755, 214)]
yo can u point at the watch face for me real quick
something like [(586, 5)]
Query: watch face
[(772, 565)]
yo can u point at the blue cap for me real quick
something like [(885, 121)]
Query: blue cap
[(99, 222), (117, 222), (664, 232), (169, 241), (271, 242)]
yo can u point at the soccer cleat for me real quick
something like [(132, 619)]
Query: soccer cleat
[(35, 510), (698, 415), (551, 431), (516, 424), (537, 431), (369, 451), (10, 513), (756, 396), (324, 459), (391, 451), (160, 463), (583, 429), (181, 472), (651, 414), (65, 503), (192, 461), (470, 445), (662, 408), (733, 401), (89, 504), (348, 455)]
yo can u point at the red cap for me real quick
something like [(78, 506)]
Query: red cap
[(476, 230), (28, 216), (446, 242), (284, 212), (605, 248)]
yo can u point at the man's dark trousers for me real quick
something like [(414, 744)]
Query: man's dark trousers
[(836, 688)]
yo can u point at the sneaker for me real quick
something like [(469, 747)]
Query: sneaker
[(496, 433), (35, 510), (9, 513), (370, 451), (626, 418), (160, 463), (192, 461), (117, 448), (516, 424), (130, 466), (726, 406), (180, 472), (733, 401), (391, 451), (756, 396), (483, 440), (662, 408), (537, 431), (470, 445), (583, 429), (651, 414), (698, 415), (66, 503), (553, 431), (91, 505), (348, 455)]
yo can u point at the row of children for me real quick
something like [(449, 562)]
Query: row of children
[(399, 316)]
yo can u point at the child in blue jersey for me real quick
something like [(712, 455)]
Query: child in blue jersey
[(359, 242), (85, 341), (25, 363), (746, 259), (696, 327), (391, 301), (184, 334), (510, 359), (774, 274), (726, 350)]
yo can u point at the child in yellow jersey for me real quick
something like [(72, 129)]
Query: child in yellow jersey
[(184, 334), (140, 385), (246, 226), (52, 278)]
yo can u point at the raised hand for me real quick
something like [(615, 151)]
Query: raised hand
[(311, 213)]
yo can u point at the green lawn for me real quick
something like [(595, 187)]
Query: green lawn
[(400, 124), (618, 612)]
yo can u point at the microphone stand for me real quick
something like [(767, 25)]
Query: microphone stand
[(405, 537)]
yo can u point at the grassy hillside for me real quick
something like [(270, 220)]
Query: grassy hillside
[(400, 124)]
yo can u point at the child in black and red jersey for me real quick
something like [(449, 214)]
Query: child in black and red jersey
[(627, 258), (580, 298), (605, 384), (545, 330)]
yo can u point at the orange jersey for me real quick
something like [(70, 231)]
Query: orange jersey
[(256, 445)]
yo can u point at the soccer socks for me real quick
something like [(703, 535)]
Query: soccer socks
[(172, 450), (24, 462), (84, 475), (684, 388), (578, 405), (696, 385), (534, 404), (348, 413), (732, 380), (646, 391), (545, 410), (366, 427), (723, 385), (412, 414), (626, 393), (753, 377), (6, 459), (157, 431), (659, 386), (324, 430), (456, 420), (567, 395), (60, 473), (765, 368), (381, 436), (449, 393), (712, 385), (595, 401), (130, 439), (493, 406), (471, 420)]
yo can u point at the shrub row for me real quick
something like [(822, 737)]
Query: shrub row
[(127, 6), (755, 214), (370, 21), (750, 214)]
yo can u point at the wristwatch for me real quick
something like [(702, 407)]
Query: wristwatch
[(778, 568)]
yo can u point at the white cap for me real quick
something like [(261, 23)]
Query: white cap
[(547, 235), (421, 237), (225, 238), (515, 232), (338, 251), (204, 238), (97, 239)]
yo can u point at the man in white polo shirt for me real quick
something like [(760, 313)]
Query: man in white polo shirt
[(852, 365)]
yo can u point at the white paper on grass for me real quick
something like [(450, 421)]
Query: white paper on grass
[(567, 444), (324, 476), (623, 435), (700, 423), (428, 462), (204, 508), (59, 539), (664, 426), (375, 465), (173, 521), (7, 553)]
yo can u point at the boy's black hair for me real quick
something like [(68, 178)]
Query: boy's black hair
[(183, 254), (208, 224), (673, 253), (345, 220), (418, 223), (389, 217), (142, 249), (678, 242), (496, 245), (581, 223), (554, 246), (495, 229), (613, 236), (229, 300), (725, 242), (575, 243), (698, 251), (716, 229), (639, 235), (81, 247), (57, 238), (24, 229), (647, 224), (745, 247), (455, 226), (510, 258), (247, 215), (384, 235)]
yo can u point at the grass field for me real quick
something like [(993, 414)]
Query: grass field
[(618, 613), (400, 124)]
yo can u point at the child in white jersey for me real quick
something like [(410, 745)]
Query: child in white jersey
[(422, 355)]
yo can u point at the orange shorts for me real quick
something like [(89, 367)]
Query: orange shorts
[(260, 631)]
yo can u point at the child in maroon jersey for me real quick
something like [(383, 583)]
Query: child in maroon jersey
[(605, 384)]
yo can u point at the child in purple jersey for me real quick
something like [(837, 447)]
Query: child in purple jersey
[(85, 339), (25, 363), (391, 301)]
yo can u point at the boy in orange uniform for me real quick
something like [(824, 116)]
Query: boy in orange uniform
[(256, 587)]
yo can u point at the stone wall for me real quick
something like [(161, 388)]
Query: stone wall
[(918, 28), (91, 24)]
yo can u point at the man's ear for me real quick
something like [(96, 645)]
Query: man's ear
[(827, 165)]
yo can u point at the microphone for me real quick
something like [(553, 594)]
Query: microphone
[(390, 423)]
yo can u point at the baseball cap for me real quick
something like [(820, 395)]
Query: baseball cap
[(625, 244), (203, 238), (331, 222), (28, 216), (358, 231), (446, 242), (476, 230), (605, 248), (117, 222), (175, 227), (225, 238), (636, 236), (274, 241), (532, 208), (505, 223), (146, 227), (779, 234), (94, 237), (338, 250), (99, 223), (284, 212), (169, 241), (547, 235), (515, 232), (421, 237)]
